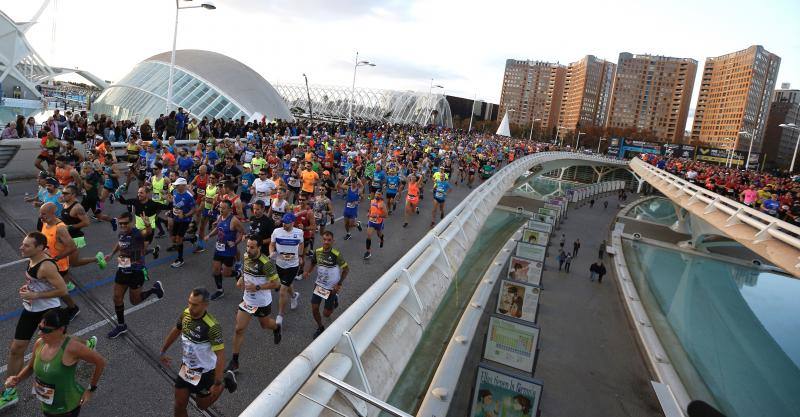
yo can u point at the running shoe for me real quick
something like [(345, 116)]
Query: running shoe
[(367, 255), (358, 225), (192, 239), (117, 331), (295, 300), (405, 224), (237, 267), (70, 286), (158, 289), (9, 398), (233, 366), (73, 312), (4, 185), (279, 320), (318, 331), (111, 198), (347, 236), (217, 295), (276, 334), (156, 251), (91, 342), (177, 264), (171, 248), (101, 260), (381, 241), (114, 224), (418, 209), (230, 381)]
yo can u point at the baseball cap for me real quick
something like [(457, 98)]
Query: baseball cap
[(288, 218), (52, 181), (294, 160), (326, 172), (180, 181), (246, 165)]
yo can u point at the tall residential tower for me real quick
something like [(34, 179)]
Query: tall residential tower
[(587, 93), (532, 89)]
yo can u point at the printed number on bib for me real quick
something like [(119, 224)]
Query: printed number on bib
[(156, 196), (351, 204), (322, 292), (248, 308), (176, 211), (43, 392), (190, 375), (287, 256), (124, 262), (220, 246)]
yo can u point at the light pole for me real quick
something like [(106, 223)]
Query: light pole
[(530, 138), (308, 94), (206, 5), (472, 112), (578, 139), (599, 142), (558, 131), (792, 126), (729, 157), (353, 90), (749, 149), (430, 98)]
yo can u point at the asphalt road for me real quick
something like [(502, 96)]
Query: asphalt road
[(134, 384)]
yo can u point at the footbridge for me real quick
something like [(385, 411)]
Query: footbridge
[(774, 239), (351, 368)]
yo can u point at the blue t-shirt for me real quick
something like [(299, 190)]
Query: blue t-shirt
[(185, 163), (441, 189), (392, 184), (377, 178), (183, 202), (247, 180), (212, 156)]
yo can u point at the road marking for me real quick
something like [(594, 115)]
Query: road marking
[(97, 325)]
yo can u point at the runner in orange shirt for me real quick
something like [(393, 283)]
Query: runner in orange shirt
[(377, 213), (412, 197)]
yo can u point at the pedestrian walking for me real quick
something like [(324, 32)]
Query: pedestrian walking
[(594, 270), (576, 246), (562, 257), (567, 262), (601, 271), (602, 250), (591, 203), (605, 204), (563, 240)]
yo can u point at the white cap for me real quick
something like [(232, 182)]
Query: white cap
[(180, 181), (294, 160)]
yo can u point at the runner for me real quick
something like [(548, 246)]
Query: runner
[(40, 292), (286, 247), (145, 211), (74, 216), (305, 222), (183, 207), (352, 199), (259, 277), (393, 187), (202, 372), (332, 270), (60, 247), (131, 271), (53, 364), (412, 197), (209, 213), (159, 186), (279, 206), (323, 209), (229, 232), (263, 187), (261, 225), (440, 189), (377, 213)]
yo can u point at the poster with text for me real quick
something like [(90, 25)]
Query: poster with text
[(542, 218), (541, 226), (525, 270), (518, 300), (549, 212), (530, 251), (535, 236), (500, 394), (511, 343)]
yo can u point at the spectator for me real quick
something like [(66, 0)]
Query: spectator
[(10, 132)]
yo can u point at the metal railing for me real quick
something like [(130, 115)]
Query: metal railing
[(392, 313), (764, 225)]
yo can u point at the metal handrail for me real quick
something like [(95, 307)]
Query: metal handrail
[(764, 224), (362, 321)]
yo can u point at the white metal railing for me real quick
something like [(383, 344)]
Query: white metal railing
[(764, 225), (582, 193), (392, 313)]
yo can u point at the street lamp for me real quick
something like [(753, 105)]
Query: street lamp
[(205, 5), (308, 94), (430, 99), (792, 126), (353, 91), (530, 138), (578, 139), (750, 149), (599, 142)]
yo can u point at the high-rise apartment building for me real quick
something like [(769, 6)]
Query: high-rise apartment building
[(587, 93), (786, 94), (735, 95), (532, 89), (652, 94)]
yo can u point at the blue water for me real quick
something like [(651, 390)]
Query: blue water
[(739, 327), (658, 210)]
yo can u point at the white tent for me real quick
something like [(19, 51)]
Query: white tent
[(503, 129)]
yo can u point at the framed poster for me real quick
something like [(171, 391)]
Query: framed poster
[(517, 300), (542, 218), (512, 343), (535, 236), (525, 270), (530, 251), (498, 393), (549, 212), (555, 207), (541, 226)]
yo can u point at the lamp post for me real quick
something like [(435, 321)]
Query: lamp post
[(578, 139), (206, 5), (792, 126), (308, 94), (530, 138), (599, 142), (749, 149), (430, 98), (472, 112), (353, 90)]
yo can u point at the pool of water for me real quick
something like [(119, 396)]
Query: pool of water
[(658, 210), (548, 187), (732, 332)]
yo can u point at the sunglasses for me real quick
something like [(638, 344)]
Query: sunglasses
[(47, 330)]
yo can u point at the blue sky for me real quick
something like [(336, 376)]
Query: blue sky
[(462, 44)]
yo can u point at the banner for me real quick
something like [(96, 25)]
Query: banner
[(511, 343), (673, 150), (555, 207), (543, 218), (530, 251), (498, 393), (535, 236), (525, 270), (517, 300), (541, 226), (549, 212), (721, 156)]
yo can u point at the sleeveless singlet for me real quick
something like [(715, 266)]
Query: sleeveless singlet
[(67, 218), (54, 383), (158, 189), (225, 234), (35, 284), (55, 248), (64, 176), (376, 212)]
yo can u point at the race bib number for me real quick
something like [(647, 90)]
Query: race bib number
[(261, 194), (351, 204), (123, 262), (43, 392), (176, 211), (322, 292), (287, 256), (247, 308), (221, 246), (189, 375), (244, 182), (156, 196), (318, 215), (373, 219)]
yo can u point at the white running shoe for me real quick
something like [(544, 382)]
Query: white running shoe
[(279, 320), (295, 299)]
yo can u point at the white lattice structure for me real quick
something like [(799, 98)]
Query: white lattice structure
[(372, 105)]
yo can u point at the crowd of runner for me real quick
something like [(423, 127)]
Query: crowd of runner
[(257, 195), (776, 195)]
